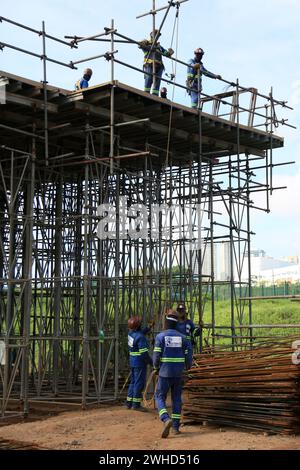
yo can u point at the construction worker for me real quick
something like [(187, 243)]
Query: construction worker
[(172, 355), (164, 93), (153, 64), (194, 76), (139, 359), (84, 81), (185, 325)]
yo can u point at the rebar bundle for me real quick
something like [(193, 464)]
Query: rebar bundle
[(256, 389)]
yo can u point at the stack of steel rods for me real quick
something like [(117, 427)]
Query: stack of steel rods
[(255, 389)]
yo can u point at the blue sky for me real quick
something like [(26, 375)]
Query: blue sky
[(257, 42)]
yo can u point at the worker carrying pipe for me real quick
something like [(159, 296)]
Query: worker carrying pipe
[(153, 63), (171, 356), (84, 81), (194, 76)]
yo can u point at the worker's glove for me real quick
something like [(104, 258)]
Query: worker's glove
[(197, 66), (170, 51), (219, 77)]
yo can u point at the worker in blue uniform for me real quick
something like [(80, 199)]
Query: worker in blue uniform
[(185, 325), (172, 355), (84, 81), (139, 359), (194, 76), (153, 63)]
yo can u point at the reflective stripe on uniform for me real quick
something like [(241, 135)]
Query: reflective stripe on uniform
[(172, 359), (135, 354), (163, 411), (143, 350), (151, 61), (137, 400), (157, 349), (175, 416)]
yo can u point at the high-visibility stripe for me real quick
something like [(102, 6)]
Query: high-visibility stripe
[(188, 338), (137, 400), (129, 399), (143, 350), (155, 92), (175, 416), (157, 350), (173, 359), (190, 75), (150, 61), (135, 354), (163, 411)]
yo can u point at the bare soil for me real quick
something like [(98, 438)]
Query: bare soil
[(117, 428)]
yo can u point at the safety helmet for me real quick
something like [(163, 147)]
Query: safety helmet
[(134, 323), (88, 72), (155, 34), (171, 315), (199, 51), (181, 307)]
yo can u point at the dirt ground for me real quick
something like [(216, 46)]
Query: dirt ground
[(117, 428)]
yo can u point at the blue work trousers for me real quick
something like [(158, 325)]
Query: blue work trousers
[(136, 387), (195, 95), (150, 80), (164, 385)]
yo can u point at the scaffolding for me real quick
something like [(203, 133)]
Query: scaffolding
[(65, 292)]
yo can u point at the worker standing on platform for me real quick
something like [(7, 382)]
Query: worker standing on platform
[(84, 81), (172, 355), (194, 76), (185, 326), (153, 64), (164, 93), (139, 359)]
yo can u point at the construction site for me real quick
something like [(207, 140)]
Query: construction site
[(115, 202)]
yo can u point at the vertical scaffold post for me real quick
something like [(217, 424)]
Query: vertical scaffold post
[(85, 345), (112, 101), (200, 178), (45, 95)]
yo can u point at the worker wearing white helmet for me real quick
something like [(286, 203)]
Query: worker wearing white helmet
[(84, 81)]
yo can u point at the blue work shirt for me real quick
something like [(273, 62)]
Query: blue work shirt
[(188, 329), (172, 354), (82, 83), (156, 53), (192, 74), (138, 349)]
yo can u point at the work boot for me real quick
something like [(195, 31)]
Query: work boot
[(140, 408), (167, 427), (176, 431)]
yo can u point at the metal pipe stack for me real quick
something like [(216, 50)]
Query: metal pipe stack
[(254, 389)]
